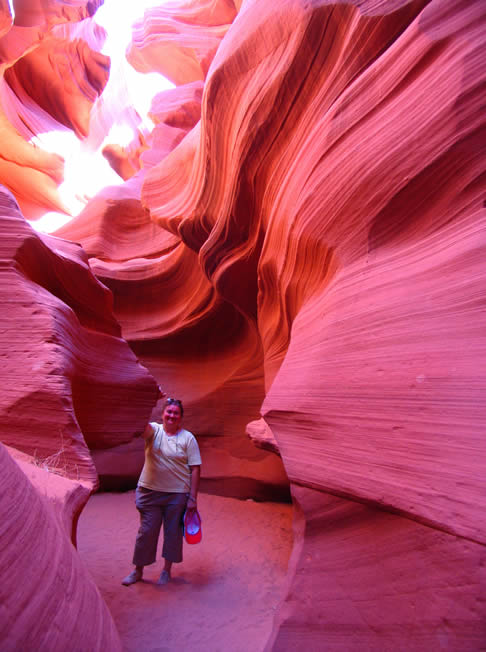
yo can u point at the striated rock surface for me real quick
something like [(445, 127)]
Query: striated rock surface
[(49, 80), (47, 595), (70, 96), (301, 236), (334, 193), (370, 580), (66, 497), (198, 346), (73, 382), (52, 12), (180, 39)]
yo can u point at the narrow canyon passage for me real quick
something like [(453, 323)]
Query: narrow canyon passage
[(222, 597)]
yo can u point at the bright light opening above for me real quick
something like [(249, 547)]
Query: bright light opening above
[(86, 171)]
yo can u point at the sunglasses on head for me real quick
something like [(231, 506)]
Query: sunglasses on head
[(171, 401)]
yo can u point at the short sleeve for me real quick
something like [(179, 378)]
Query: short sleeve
[(155, 429), (193, 453)]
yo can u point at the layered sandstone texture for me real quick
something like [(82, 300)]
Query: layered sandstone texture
[(301, 239), (51, 74), (47, 595), (199, 345), (332, 195), (73, 382), (66, 497)]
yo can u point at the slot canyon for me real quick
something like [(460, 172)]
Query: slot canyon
[(295, 247)]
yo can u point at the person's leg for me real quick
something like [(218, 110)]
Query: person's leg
[(165, 574), (145, 552), (173, 535), (148, 534)]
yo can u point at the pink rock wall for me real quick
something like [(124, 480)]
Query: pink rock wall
[(179, 40), (52, 12), (304, 236), (339, 170), (73, 382), (49, 601), (70, 380), (366, 579), (5, 17), (65, 497)]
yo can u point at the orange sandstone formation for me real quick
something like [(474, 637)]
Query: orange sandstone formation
[(179, 40), (178, 107), (334, 194), (302, 237), (50, 79), (73, 383), (73, 74), (331, 214), (197, 345), (52, 12)]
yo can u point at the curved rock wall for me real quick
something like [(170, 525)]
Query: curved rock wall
[(66, 497), (50, 79), (179, 40), (194, 341), (366, 579), (47, 595), (73, 382), (334, 193), (302, 233)]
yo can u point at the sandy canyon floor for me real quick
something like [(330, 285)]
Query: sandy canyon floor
[(222, 597)]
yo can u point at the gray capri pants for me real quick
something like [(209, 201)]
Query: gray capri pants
[(156, 507)]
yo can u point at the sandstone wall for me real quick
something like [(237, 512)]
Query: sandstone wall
[(195, 341), (72, 381), (49, 601), (51, 73), (301, 238), (334, 193)]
